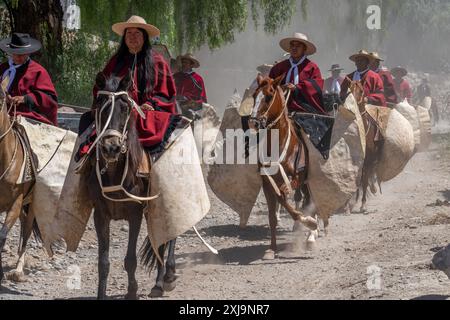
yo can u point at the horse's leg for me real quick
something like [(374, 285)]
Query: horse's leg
[(309, 222), (309, 211), (102, 224), (130, 262), (11, 218), (278, 212), (272, 206), (170, 278), (157, 290), (365, 185), (326, 222), (27, 219)]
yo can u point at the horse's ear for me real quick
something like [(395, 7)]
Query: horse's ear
[(348, 79), (278, 80), (125, 83), (259, 79), (100, 81)]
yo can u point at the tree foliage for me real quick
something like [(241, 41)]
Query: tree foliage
[(187, 25)]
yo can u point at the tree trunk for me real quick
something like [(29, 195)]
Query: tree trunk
[(42, 19)]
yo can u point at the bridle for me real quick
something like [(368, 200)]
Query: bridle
[(261, 121), (14, 118), (12, 122), (262, 124), (106, 132)]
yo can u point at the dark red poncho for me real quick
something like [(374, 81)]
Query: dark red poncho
[(309, 88), (190, 86), (33, 82), (373, 88), (403, 89), (152, 129)]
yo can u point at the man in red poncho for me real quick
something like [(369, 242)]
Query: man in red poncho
[(190, 85), (27, 84), (302, 76), (153, 86), (401, 85), (372, 83), (386, 76)]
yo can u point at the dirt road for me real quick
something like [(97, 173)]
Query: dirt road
[(384, 254)]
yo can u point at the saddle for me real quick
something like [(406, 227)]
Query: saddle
[(30, 164), (378, 117), (317, 127)]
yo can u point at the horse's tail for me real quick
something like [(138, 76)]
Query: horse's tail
[(147, 255), (37, 232)]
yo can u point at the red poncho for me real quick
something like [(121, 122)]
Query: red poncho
[(33, 82), (403, 89), (152, 129), (388, 84), (373, 88), (308, 89), (191, 86)]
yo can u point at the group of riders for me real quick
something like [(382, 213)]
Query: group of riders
[(159, 91), (163, 95)]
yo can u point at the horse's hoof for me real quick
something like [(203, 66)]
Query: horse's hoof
[(310, 223), (269, 255), (157, 292), (243, 226), (311, 245), (131, 296), (16, 276), (169, 286)]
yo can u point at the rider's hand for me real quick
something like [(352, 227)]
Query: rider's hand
[(290, 86), (15, 101), (147, 107)]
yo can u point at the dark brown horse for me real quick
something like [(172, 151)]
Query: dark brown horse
[(285, 176), (373, 147), (13, 195), (117, 191)]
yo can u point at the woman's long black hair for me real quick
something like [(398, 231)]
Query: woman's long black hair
[(145, 69)]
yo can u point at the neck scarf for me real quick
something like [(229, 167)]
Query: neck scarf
[(358, 75), (294, 67), (10, 73), (336, 87)]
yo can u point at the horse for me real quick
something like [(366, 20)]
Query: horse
[(271, 114), (373, 147), (114, 172), (15, 196)]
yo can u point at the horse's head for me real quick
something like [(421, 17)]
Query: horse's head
[(269, 103), (114, 118), (357, 90)]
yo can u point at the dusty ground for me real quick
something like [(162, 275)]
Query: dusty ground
[(404, 227)]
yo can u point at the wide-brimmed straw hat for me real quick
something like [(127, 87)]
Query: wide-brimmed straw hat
[(20, 43), (135, 22), (286, 42), (360, 53), (336, 67), (375, 56), (190, 57), (399, 71), (264, 68)]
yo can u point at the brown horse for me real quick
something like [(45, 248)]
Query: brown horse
[(271, 114), (116, 189), (373, 147), (13, 195)]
